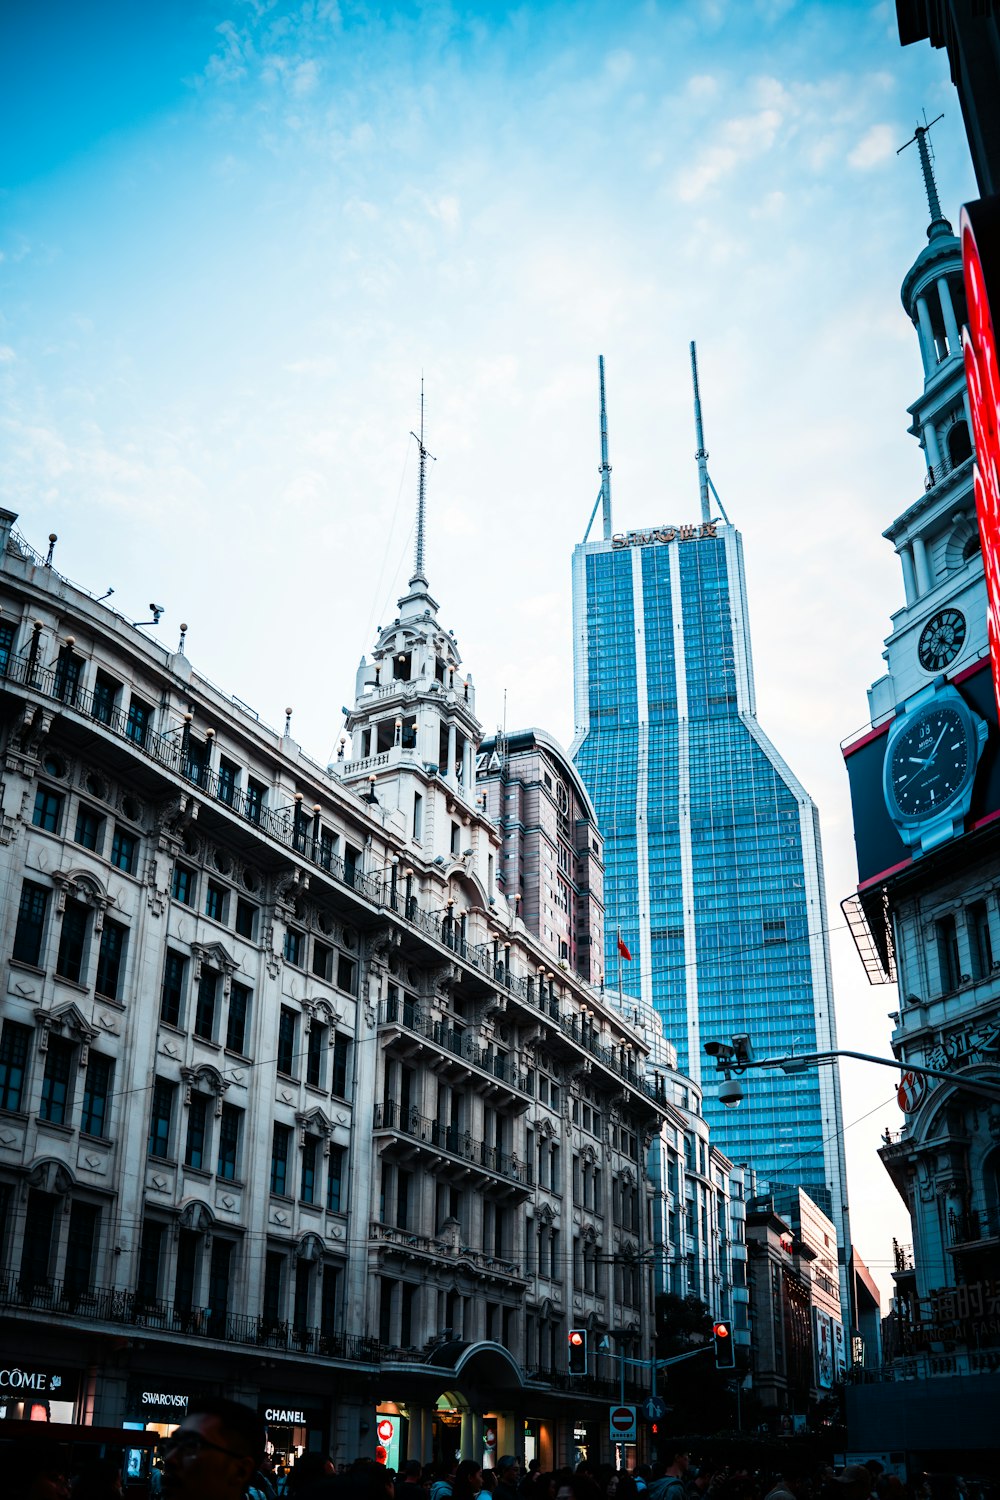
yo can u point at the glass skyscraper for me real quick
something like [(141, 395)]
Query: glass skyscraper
[(713, 866)]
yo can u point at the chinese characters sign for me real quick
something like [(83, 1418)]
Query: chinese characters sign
[(690, 532)]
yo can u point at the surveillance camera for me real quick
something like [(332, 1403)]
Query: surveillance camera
[(730, 1092)]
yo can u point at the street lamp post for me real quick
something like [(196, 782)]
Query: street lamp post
[(737, 1057)]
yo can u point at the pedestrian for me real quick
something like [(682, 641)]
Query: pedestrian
[(676, 1461), (98, 1479), (214, 1453), (468, 1480), (442, 1487), (508, 1473)]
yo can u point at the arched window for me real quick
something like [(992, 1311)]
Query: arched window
[(959, 443)]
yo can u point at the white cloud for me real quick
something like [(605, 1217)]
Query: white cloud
[(877, 145), (7, 355)]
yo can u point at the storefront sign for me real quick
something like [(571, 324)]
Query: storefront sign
[(163, 1398), (911, 1091), (15, 1381), (285, 1416), (661, 535), (972, 1043), (980, 234)]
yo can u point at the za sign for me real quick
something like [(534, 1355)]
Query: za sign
[(622, 1423)]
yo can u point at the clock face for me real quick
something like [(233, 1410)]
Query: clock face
[(941, 639), (930, 762)]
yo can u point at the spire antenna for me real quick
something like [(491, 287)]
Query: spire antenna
[(701, 455), (605, 466), (419, 574), (920, 135)]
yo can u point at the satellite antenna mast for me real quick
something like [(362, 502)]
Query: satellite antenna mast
[(418, 560), (920, 135), (605, 466), (700, 455)]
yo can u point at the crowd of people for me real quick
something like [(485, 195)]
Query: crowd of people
[(219, 1453)]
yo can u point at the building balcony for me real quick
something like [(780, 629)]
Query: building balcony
[(976, 1229), (458, 1041), (117, 1307), (439, 1138), (425, 1244)]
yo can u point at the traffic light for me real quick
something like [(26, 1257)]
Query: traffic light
[(577, 1351), (725, 1354)]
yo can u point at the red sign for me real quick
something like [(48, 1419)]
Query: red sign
[(980, 229), (911, 1091), (622, 1419), (385, 1430)]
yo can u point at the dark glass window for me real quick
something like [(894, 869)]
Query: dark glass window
[(13, 1063), (236, 1026), (335, 1179), (6, 647), (81, 1239), (346, 973), (274, 1265), (183, 884), (106, 691), (254, 799), (219, 1270), (197, 761), (123, 850), (160, 1118), (286, 1041), (316, 1049), (89, 827), (150, 1252), (307, 1186), (172, 996), (947, 942), (215, 901), (279, 1159), (980, 942), (322, 963), (48, 810), (73, 941), (59, 1059), (137, 723), (109, 960), (341, 1052), (197, 1130), (229, 1141), (228, 773), (246, 918), (293, 947), (204, 1015), (67, 679), (30, 923), (97, 1094)]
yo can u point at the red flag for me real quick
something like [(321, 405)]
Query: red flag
[(622, 949)]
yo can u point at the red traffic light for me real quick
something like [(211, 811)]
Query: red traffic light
[(721, 1330), (576, 1338)]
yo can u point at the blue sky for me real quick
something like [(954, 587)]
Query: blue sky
[(233, 235)]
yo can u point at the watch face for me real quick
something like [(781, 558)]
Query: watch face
[(941, 639), (930, 762)]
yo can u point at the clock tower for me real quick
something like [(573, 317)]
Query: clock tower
[(942, 625)]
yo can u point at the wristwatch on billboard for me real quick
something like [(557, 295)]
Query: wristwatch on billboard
[(931, 756)]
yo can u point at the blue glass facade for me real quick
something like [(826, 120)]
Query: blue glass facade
[(712, 851)]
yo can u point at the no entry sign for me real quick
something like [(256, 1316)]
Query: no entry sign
[(622, 1423)]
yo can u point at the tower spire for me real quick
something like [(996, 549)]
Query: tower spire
[(605, 466), (419, 574), (920, 135), (700, 455)]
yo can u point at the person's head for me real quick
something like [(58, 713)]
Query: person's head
[(508, 1469), (676, 1458), (36, 1469), (214, 1451), (468, 1478)]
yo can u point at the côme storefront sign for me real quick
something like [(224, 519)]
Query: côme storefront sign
[(22, 1383)]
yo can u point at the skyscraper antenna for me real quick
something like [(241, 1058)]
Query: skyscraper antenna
[(920, 135), (700, 455), (605, 466), (419, 574)]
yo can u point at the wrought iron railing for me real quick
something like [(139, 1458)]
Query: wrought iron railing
[(121, 1306), (426, 1244), (289, 826), (401, 1011), (453, 1141)]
